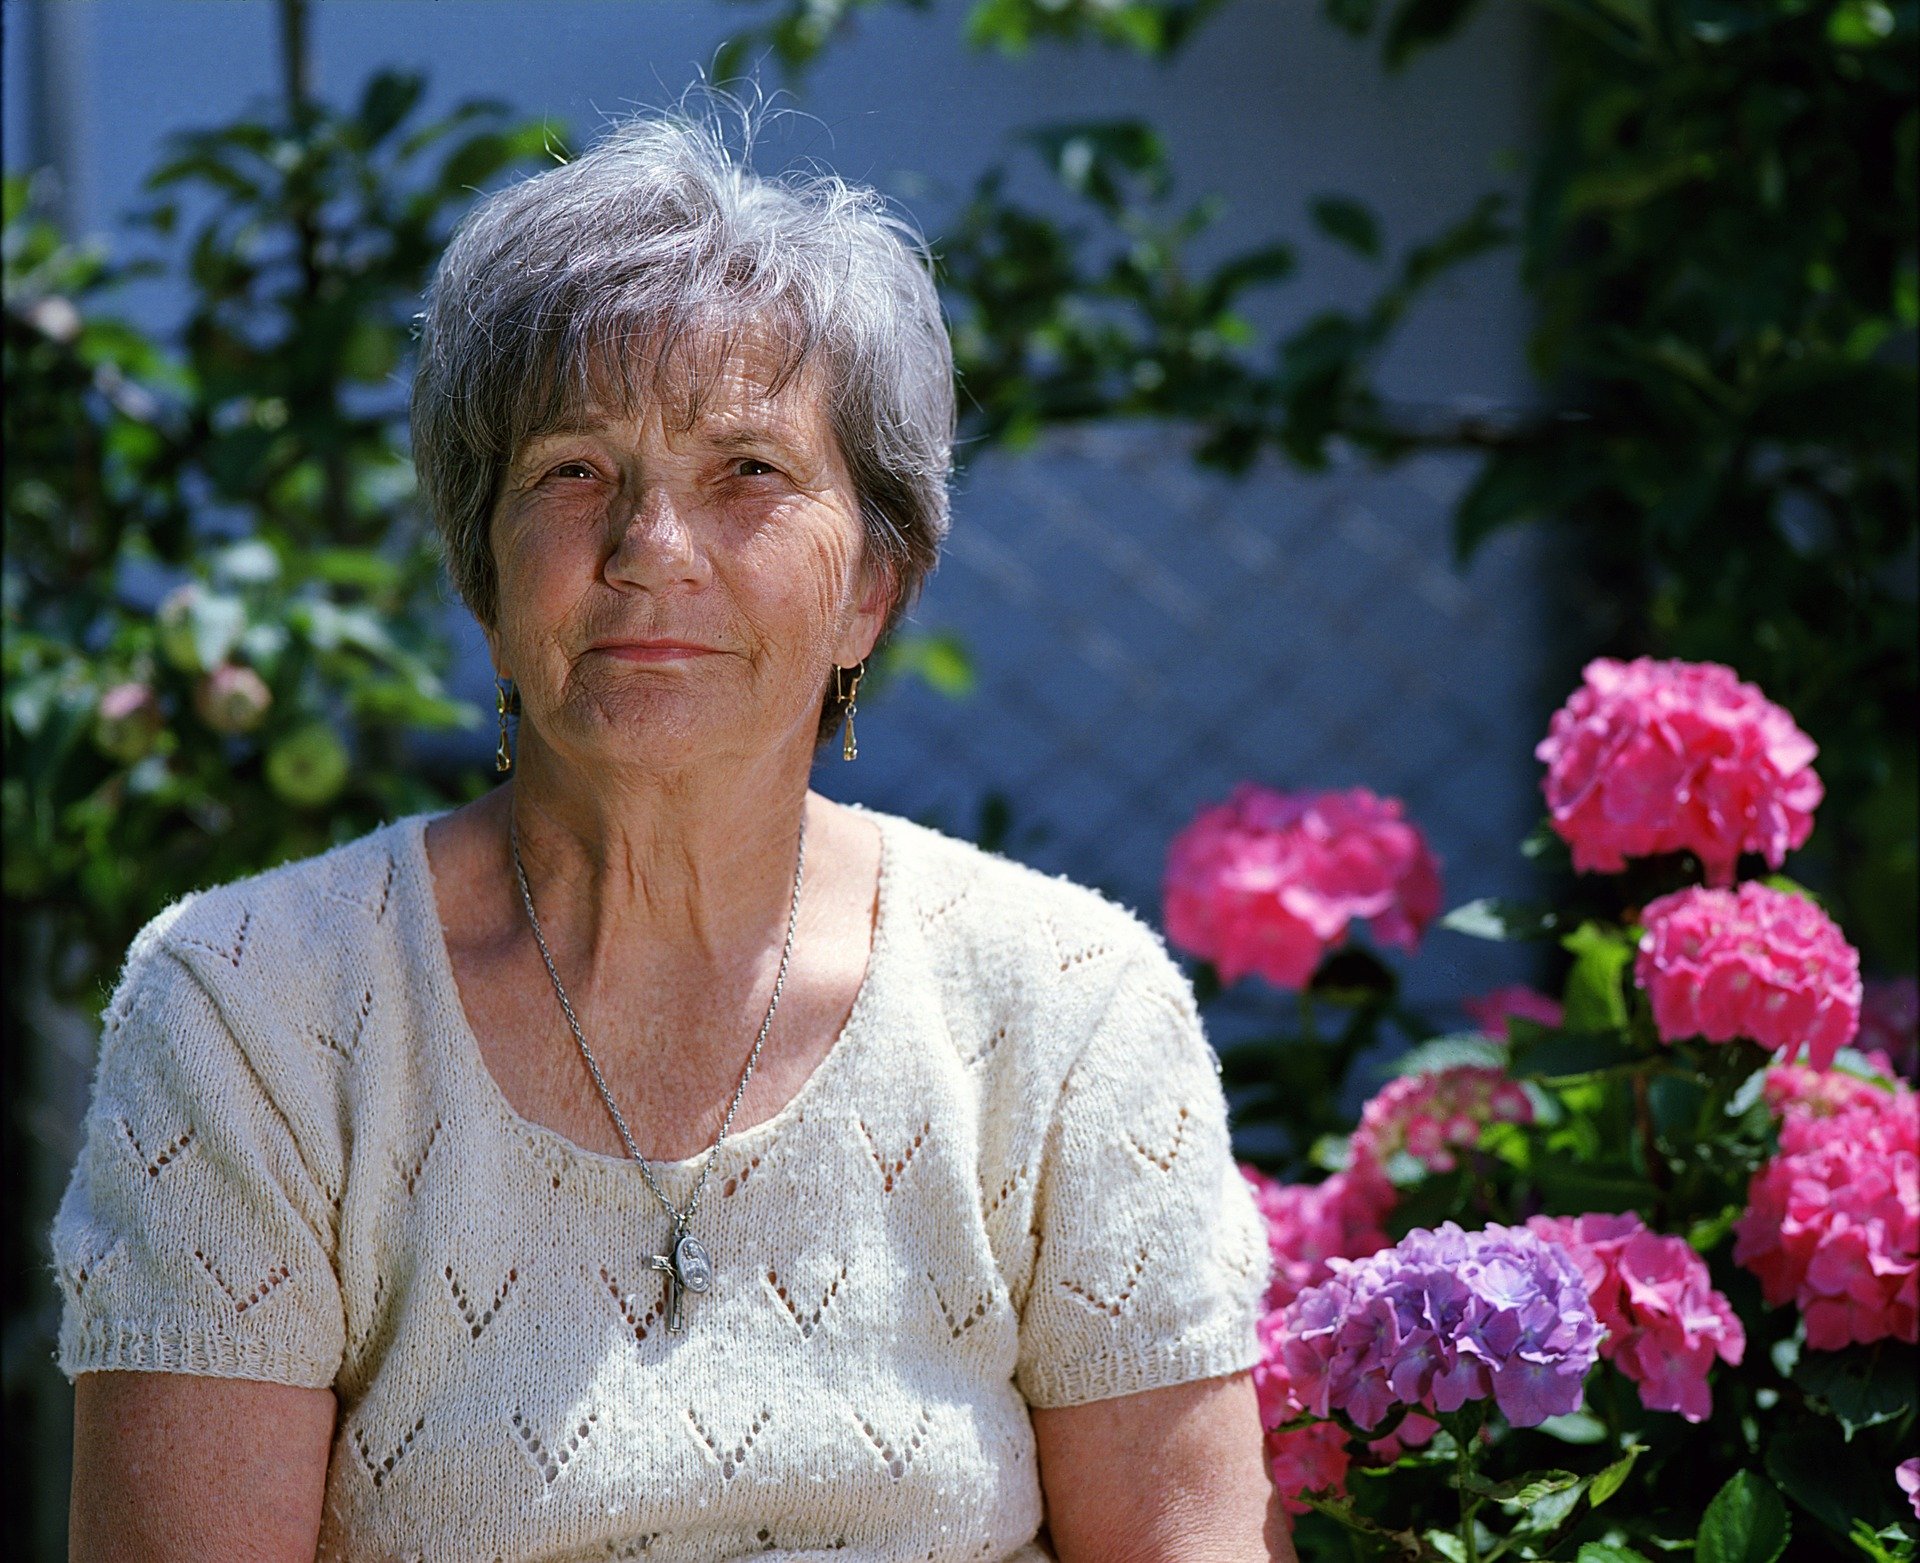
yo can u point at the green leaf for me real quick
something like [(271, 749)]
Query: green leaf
[(1860, 24), (1094, 158), (1450, 1052), (1745, 1523), (1614, 1477), (1547, 479), (1594, 999), (1576, 1427), (1521, 1492), (389, 98), (1861, 1386), (399, 702), (1608, 1552), (940, 659), (1560, 1053), (1790, 886), (1493, 917), (359, 567), (1419, 24), (1252, 268), (1348, 222), (1809, 1461)]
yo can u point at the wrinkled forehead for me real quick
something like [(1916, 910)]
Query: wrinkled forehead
[(689, 376)]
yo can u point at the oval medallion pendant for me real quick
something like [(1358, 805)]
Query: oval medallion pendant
[(690, 1261)]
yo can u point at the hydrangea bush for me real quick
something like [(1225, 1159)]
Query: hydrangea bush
[(1623, 1269)]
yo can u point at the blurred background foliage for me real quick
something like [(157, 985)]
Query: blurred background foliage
[(1719, 236), (1718, 230), (223, 612)]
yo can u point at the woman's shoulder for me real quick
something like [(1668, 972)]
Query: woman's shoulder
[(1001, 928), (276, 915), (260, 988), (287, 948)]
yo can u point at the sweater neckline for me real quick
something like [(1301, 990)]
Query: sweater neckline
[(470, 1062)]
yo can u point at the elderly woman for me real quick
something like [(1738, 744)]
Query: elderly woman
[(654, 1158)]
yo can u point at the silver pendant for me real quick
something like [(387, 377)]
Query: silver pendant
[(691, 1264), (689, 1269)]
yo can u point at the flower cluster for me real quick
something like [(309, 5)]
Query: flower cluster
[(1820, 1093), (1754, 962), (1441, 1318), (1268, 881), (1312, 1458), (1430, 1116), (1310, 1223), (1907, 1474), (1664, 1321), (1650, 756), (1493, 1009), (1833, 1222)]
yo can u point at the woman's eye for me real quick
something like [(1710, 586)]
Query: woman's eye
[(752, 461), (572, 466)]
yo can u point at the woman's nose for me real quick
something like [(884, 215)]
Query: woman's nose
[(654, 538)]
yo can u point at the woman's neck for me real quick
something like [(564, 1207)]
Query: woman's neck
[(669, 885)]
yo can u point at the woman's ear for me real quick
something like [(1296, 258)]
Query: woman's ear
[(493, 652), (877, 587)]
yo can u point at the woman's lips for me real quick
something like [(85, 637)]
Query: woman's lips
[(630, 652)]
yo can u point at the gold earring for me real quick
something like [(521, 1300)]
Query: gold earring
[(849, 748), (505, 699)]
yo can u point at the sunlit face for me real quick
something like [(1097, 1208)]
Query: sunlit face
[(741, 535)]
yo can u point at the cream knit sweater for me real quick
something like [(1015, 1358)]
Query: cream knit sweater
[(1009, 1184)]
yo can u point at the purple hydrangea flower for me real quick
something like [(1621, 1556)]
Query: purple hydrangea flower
[(1441, 1318)]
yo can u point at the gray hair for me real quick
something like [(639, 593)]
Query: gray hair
[(653, 239)]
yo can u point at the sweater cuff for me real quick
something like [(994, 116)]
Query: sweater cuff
[(162, 1346), (1230, 1344)]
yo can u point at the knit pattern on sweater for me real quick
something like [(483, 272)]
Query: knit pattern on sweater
[(1008, 1184)]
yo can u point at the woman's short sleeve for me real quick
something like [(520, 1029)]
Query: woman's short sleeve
[(192, 1237), (1152, 1257)]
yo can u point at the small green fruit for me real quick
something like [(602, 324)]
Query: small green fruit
[(308, 767), (232, 699), (173, 627)]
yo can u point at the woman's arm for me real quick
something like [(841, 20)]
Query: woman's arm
[(1172, 1475), (175, 1466)]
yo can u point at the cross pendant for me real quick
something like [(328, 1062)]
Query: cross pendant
[(688, 1269), (675, 1286)]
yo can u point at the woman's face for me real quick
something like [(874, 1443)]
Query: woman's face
[(741, 535)]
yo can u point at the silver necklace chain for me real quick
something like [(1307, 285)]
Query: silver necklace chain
[(681, 1218)]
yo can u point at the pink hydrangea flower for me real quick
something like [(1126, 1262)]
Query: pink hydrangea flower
[(1890, 1022), (1430, 1116), (1820, 1093), (1413, 1431), (1754, 962), (1833, 1223), (1441, 1318), (1491, 1011), (1649, 756), (1665, 1322), (1306, 1459), (1310, 1223), (1269, 881), (1907, 1474)]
